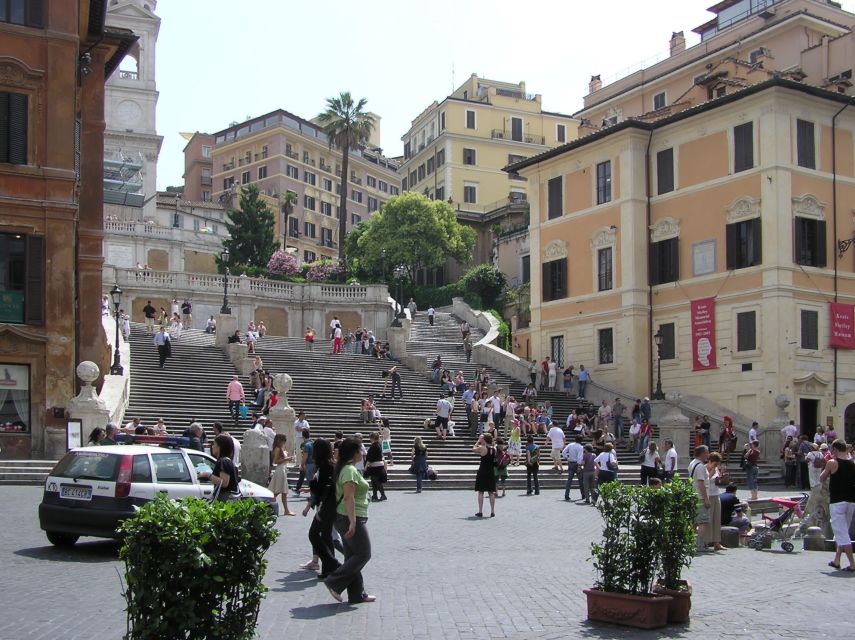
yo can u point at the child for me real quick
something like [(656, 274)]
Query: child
[(502, 461), (515, 444), (279, 482)]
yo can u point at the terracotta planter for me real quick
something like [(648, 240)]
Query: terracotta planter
[(641, 612), (681, 604)]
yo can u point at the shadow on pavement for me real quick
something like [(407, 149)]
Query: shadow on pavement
[(96, 551), (297, 581), (318, 611)]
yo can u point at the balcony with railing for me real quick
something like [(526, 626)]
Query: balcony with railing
[(207, 181), (356, 180), (260, 156), (309, 161), (513, 136), (292, 154), (228, 166), (128, 75), (325, 167)]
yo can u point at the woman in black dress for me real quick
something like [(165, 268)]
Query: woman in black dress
[(224, 475), (322, 498), (485, 479), (375, 468)]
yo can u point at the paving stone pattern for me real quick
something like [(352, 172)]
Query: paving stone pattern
[(438, 572)]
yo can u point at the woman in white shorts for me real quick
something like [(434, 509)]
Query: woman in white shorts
[(840, 471)]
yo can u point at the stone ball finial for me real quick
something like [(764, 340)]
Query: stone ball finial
[(782, 401), (674, 398), (88, 371), (282, 382)]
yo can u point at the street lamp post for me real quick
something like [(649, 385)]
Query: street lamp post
[(224, 258), (657, 338), (116, 296), (399, 273)]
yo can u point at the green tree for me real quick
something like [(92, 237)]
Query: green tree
[(348, 126), (251, 239), (416, 233)]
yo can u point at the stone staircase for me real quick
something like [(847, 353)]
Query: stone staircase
[(329, 388)]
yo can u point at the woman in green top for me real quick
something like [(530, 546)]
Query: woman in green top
[(351, 492)]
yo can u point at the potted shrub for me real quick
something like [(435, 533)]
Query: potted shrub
[(628, 558), (678, 543), (195, 568)]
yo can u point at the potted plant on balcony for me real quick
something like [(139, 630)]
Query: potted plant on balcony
[(678, 544), (629, 557)]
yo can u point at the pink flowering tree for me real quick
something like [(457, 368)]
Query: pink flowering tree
[(322, 270), (283, 264)]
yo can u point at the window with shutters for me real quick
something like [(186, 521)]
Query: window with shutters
[(468, 156), (470, 193), (309, 256), (605, 346), (421, 171), (21, 279), (244, 177), (440, 193), (372, 204), (292, 172), (309, 178), (293, 227), (355, 219), (262, 172), (659, 101), (810, 329), (326, 184), (326, 208), (604, 269), (356, 196), (431, 164), (13, 127), (604, 182), (746, 331), (309, 229), (554, 280), (309, 203), (326, 237), (743, 147), (470, 119), (440, 157), (664, 261), (27, 13), (810, 242), (442, 121), (555, 197), (561, 133), (668, 348), (805, 149), (744, 247), (665, 171), (525, 267)]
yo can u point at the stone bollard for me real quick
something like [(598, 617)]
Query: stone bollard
[(56, 442), (814, 540), (730, 537), (255, 457)]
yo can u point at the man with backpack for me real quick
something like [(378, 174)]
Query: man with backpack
[(149, 313), (532, 466)]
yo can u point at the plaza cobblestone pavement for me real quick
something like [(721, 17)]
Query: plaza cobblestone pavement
[(438, 572)]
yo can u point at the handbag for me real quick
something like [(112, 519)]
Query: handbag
[(413, 470), (244, 410)]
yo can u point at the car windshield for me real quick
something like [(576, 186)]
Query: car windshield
[(88, 465), (202, 463)]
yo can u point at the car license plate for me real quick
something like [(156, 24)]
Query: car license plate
[(75, 492)]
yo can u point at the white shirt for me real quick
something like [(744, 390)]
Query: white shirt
[(752, 434), (443, 409), (497, 404), (337, 332), (671, 459), (333, 323), (299, 425), (712, 488), (556, 435), (698, 473), (236, 457), (813, 472), (573, 452), (270, 434), (605, 411), (790, 430), (430, 311), (650, 458), (603, 460)]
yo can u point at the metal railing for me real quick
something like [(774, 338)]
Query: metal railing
[(129, 75), (504, 134)]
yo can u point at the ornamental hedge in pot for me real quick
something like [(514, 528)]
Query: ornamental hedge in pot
[(678, 544), (194, 568)]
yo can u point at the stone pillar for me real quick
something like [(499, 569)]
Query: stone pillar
[(770, 437), (673, 425), (227, 324), (282, 414), (238, 356), (255, 457), (87, 406), (56, 443)]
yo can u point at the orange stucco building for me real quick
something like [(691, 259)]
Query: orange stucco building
[(56, 56)]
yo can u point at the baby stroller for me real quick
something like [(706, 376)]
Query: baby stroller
[(777, 527)]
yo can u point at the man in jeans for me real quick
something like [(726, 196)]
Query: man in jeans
[(700, 479), (669, 461), (584, 377), (617, 418), (234, 397), (573, 452)]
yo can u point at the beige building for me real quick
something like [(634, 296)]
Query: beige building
[(198, 167), (456, 150), (281, 153)]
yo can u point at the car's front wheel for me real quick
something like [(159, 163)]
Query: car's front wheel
[(61, 539)]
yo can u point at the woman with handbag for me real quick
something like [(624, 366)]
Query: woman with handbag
[(224, 475), (718, 480), (351, 491), (375, 468), (322, 499), (605, 469), (650, 463)]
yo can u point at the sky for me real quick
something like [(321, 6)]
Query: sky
[(220, 61)]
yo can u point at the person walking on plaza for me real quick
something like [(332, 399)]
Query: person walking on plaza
[(574, 453), (555, 436), (322, 500), (670, 462), (840, 472), (485, 478), (605, 468), (351, 492), (234, 397), (375, 468), (430, 314), (532, 466), (718, 479), (149, 312), (589, 475), (584, 378), (726, 439), (307, 461), (279, 481), (337, 337), (752, 469), (650, 462), (164, 345), (700, 480)]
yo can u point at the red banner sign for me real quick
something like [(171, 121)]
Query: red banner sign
[(703, 334), (842, 322)]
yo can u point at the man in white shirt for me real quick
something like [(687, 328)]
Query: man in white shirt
[(573, 452), (700, 479), (268, 432), (131, 427), (604, 413), (752, 432), (670, 460), (555, 436), (790, 430), (817, 508), (218, 429), (430, 313), (442, 413), (496, 401), (299, 424)]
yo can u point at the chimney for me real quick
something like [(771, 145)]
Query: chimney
[(595, 84), (678, 42)]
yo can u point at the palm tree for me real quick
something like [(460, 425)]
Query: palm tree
[(348, 127), (288, 200)]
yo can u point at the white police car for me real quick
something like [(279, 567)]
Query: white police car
[(93, 489)]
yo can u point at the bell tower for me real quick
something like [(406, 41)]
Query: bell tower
[(131, 138)]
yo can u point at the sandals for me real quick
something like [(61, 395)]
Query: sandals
[(837, 566), (310, 566)]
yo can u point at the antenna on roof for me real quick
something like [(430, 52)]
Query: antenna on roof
[(452, 77)]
